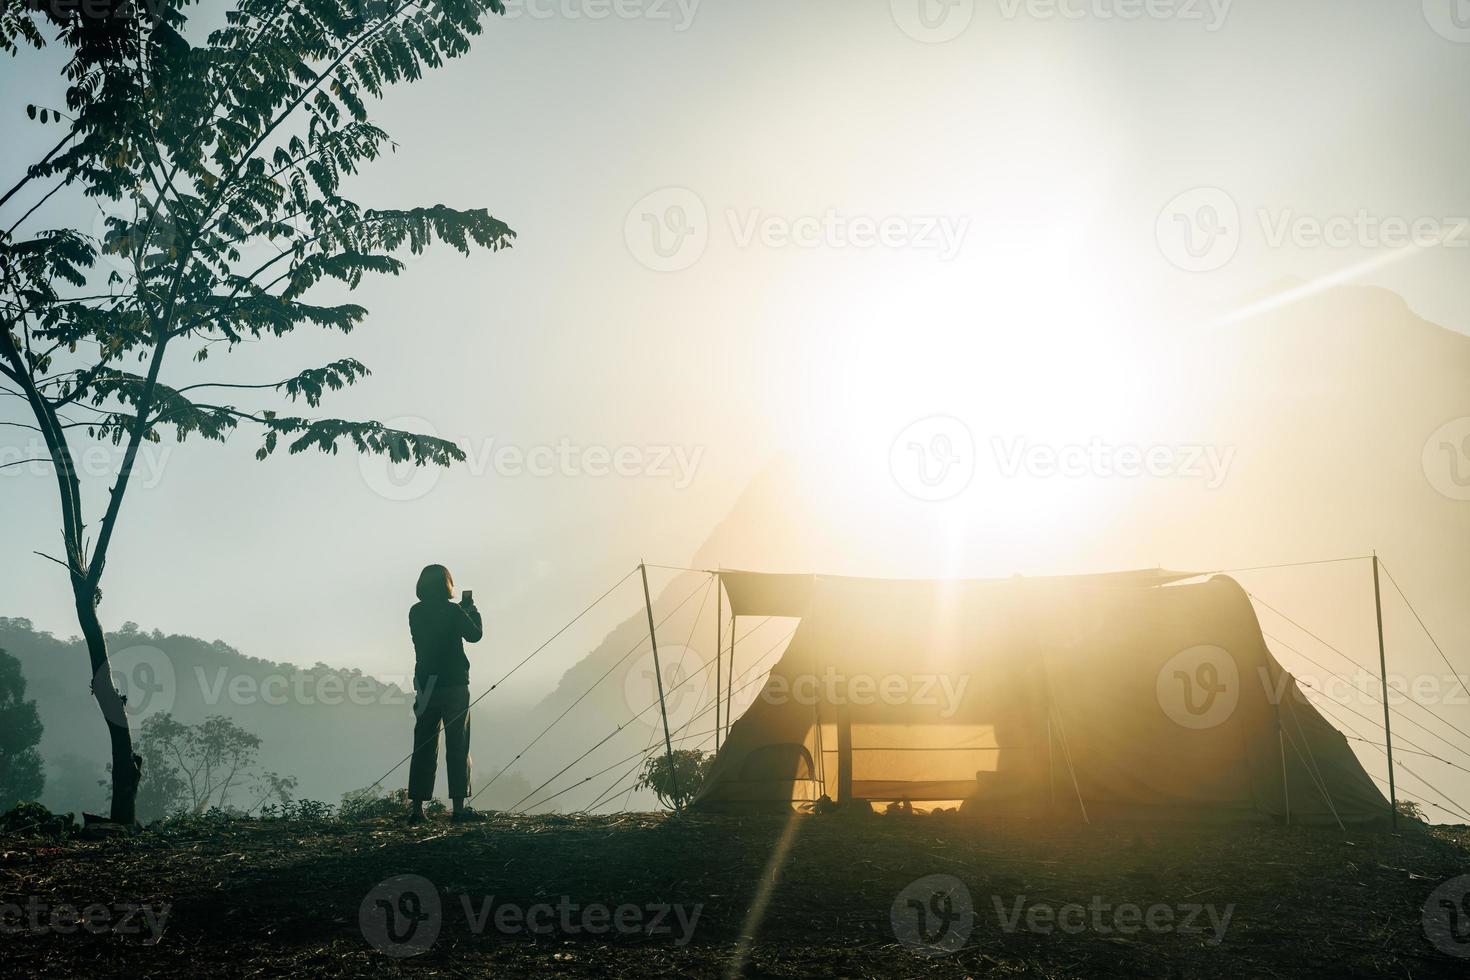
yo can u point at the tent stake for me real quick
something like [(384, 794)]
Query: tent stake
[(659, 678), (1393, 800), (719, 651)]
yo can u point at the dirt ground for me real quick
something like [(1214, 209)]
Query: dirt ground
[(642, 894)]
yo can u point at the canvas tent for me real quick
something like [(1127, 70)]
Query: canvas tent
[(1132, 695)]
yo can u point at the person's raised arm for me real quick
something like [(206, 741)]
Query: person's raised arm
[(471, 626)]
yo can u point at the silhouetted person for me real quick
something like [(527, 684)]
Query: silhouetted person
[(441, 682)]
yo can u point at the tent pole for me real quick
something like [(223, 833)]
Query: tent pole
[(1393, 801), (1285, 783), (1051, 763), (719, 652), (844, 753), (730, 680), (659, 677)]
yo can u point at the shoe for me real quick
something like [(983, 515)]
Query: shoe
[(467, 816), (416, 816)]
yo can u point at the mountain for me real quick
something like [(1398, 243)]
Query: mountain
[(334, 730)]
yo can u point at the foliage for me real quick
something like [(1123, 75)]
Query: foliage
[(304, 810), (372, 803), (219, 165), (21, 774), (689, 768), (274, 786), (192, 768), (31, 819), (1410, 810)]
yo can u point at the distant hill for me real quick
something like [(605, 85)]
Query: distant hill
[(334, 730)]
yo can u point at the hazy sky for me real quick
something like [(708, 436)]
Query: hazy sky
[(749, 227)]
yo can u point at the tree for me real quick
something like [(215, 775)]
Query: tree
[(208, 154), (690, 766), (21, 774), (190, 768)]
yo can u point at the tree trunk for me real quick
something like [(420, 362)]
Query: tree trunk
[(127, 767)]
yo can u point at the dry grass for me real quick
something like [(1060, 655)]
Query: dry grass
[(282, 898)]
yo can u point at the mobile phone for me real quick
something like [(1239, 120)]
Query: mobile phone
[(469, 596)]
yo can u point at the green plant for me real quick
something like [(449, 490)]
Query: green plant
[(205, 153), (21, 774), (687, 772), (1410, 810), (369, 803)]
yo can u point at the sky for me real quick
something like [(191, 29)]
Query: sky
[(746, 230)]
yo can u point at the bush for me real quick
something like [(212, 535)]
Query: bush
[(312, 810), (689, 765), (372, 803), (31, 819)]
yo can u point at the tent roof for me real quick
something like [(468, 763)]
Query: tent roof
[(789, 594)]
